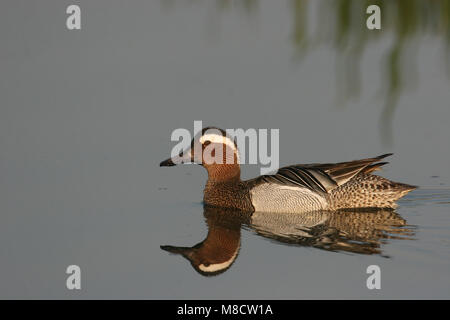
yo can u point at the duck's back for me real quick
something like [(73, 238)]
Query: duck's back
[(330, 186)]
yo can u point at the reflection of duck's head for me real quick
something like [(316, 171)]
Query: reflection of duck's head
[(206, 260), (220, 249)]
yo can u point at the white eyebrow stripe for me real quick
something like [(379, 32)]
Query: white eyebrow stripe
[(219, 266), (218, 139), (215, 138)]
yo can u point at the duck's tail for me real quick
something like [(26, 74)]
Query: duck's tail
[(369, 191)]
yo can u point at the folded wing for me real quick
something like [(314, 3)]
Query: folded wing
[(324, 177)]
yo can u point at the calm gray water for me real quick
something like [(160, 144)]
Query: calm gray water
[(86, 117)]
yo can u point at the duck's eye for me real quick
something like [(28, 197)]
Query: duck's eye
[(206, 143)]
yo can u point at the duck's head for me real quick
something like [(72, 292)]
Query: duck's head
[(213, 149)]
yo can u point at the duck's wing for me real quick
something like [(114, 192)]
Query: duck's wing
[(323, 177)]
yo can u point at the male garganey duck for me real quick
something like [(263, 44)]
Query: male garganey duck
[(297, 188)]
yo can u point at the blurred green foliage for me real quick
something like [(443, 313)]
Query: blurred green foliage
[(342, 24)]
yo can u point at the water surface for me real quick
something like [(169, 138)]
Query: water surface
[(86, 117)]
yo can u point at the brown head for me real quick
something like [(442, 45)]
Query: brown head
[(213, 149)]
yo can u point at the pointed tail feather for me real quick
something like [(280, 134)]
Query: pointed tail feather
[(374, 167)]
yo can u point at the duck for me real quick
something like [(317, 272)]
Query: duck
[(292, 189)]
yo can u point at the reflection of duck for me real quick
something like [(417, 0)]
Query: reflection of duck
[(220, 249), (359, 232), (352, 231)]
